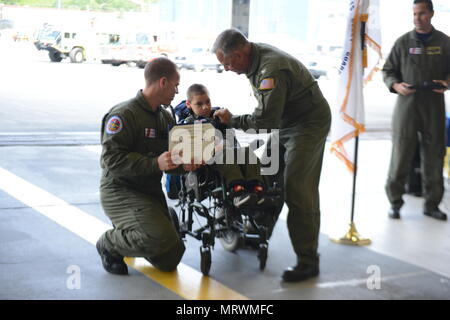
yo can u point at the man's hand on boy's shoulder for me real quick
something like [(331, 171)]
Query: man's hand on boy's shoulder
[(224, 115)]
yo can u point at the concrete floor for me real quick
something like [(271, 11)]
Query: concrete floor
[(38, 255)]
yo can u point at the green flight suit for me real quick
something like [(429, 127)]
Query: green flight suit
[(419, 117), (133, 136), (290, 100)]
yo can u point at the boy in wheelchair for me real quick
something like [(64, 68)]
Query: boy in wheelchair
[(242, 209), (244, 182)]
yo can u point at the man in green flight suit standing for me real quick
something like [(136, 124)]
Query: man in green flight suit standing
[(419, 58), (134, 141), (290, 100)]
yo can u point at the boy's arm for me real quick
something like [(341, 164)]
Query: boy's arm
[(188, 120)]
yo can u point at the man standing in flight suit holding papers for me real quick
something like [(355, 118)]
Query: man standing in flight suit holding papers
[(418, 70)]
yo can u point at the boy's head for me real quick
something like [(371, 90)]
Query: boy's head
[(198, 100)]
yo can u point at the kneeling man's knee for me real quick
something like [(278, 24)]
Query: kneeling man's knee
[(169, 260)]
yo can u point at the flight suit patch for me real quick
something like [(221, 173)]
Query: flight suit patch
[(267, 84), (114, 125), (417, 50), (433, 50)]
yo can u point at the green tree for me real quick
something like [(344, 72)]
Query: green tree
[(97, 5)]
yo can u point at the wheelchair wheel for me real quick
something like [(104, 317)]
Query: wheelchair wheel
[(205, 260), (230, 240), (262, 256), (175, 221)]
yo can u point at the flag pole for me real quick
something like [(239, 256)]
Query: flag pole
[(352, 237), (355, 170)]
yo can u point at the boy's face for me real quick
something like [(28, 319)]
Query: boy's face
[(200, 104)]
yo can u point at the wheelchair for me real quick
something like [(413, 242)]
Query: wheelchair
[(205, 211)]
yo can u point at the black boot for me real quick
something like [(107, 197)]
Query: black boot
[(436, 213), (300, 272), (394, 213), (111, 263), (244, 200), (240, 196), (259, 190)]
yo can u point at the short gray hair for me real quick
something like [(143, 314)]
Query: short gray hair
[(229, 40)]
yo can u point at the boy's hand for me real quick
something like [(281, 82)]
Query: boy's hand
[(444, 83), (224, 115)]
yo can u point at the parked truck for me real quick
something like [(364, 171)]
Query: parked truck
[(77, 45), (134, 48)]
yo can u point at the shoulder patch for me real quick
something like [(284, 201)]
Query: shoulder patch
[(114, 125), (267, 84)]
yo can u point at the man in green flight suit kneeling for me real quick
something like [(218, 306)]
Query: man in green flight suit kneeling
[(134, 141)]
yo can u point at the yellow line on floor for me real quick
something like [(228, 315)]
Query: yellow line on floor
[(185, 281)]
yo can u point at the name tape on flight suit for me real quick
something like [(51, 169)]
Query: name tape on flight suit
[(433, 50)]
